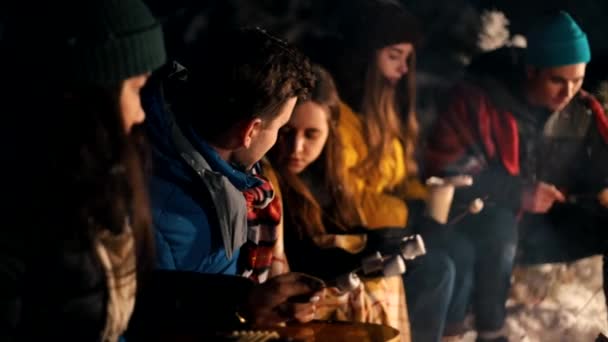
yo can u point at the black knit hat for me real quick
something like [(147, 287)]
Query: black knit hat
[(370, 25), (365, 27), (92, 41)]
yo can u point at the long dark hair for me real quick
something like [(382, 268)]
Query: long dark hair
[(74, 170), (305, 212), (95, 178)]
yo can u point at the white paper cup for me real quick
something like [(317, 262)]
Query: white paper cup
[(439, 202)]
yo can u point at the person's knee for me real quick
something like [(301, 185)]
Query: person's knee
[(436, 270), (460, 249), (501, 239), (445, 268), (498, 216), (495, 225)]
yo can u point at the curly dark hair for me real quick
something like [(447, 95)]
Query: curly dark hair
[(239, 75)]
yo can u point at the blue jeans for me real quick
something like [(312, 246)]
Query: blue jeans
[(438, 285), (493, 235)]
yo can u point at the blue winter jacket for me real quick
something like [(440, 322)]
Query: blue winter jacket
[(198, 209)]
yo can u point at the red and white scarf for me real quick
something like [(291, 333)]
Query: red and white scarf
[(263, 217)]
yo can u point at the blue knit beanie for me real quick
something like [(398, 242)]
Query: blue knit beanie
[(557, 41)]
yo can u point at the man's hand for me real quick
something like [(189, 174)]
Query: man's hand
[(286, 297), (540, 197), (602, 197)]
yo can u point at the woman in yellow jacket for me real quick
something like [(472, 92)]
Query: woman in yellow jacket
[(374, 62)]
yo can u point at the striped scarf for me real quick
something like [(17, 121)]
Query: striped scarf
[(263, 217)]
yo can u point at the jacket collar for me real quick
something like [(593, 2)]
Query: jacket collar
[(240, 179), (222, 181)]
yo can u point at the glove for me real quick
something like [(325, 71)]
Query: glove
[(385, 240)]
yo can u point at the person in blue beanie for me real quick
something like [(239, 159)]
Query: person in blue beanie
[(536, 145)]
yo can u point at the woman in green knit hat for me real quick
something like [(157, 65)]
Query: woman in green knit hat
[(76, 231)]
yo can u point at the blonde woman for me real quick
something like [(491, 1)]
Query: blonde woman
[(374, 62)]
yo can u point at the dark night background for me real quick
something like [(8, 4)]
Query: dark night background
[(449, 26)]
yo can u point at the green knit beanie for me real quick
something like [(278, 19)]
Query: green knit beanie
[(557, 41), (108, 41)]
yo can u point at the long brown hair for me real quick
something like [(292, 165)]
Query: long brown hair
[(87, 180), (304, 210), (96, 171), (382, 123), (387, 112)]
